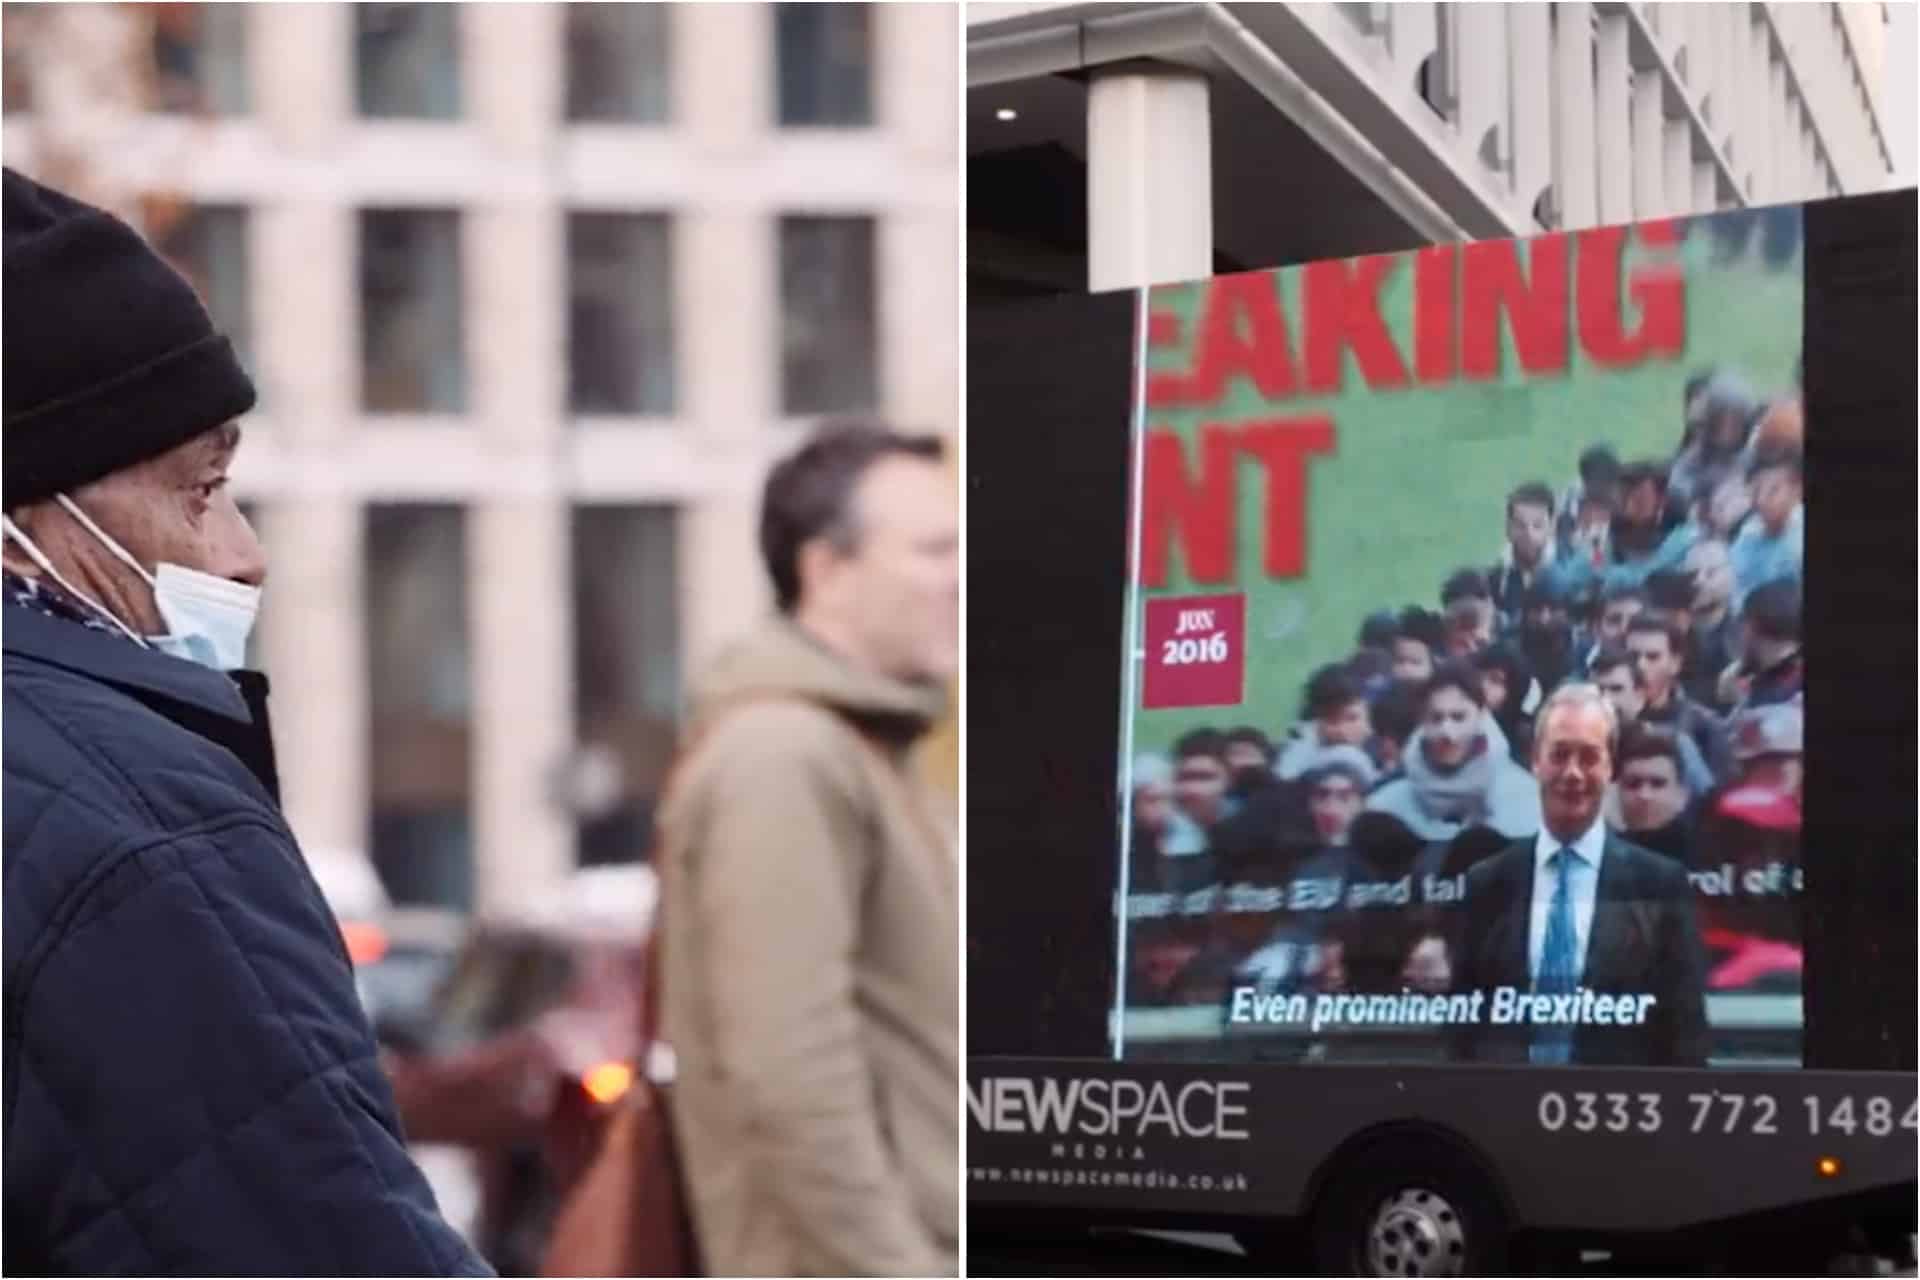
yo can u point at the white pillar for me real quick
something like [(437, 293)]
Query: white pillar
[(519, 577), (1781, 134), (917, 271), (1530, 34), (513, 260), (1484, 100), (1678, 184), (916, 67), (1149, 178), (300, 72), (1649, 146), (1756, 130), (514, 74), (1903, 92), (1575, 169), (520, 615), (313, 645), (1706, 187), (1613, 112), (1727, 31), (724, 115)]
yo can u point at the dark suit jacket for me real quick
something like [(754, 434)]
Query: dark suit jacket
[(1644, 941)]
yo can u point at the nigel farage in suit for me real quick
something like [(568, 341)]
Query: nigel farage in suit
[(1566, 934)]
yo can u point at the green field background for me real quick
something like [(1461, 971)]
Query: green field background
[(1417, 484)]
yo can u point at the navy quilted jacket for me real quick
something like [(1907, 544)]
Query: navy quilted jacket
[(190, 1084)]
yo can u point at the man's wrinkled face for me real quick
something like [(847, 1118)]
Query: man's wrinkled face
[(1616, 617), (1617, 687), (1529, 529), (1334, 803), (1573, 761), (1152, 805), (896, 588), (1776, 492), (1448, 729), (1412, 661), (174, 508), (1651, 795), (1712, 576), (1659, 664), (1200, 788), (1347, 725)]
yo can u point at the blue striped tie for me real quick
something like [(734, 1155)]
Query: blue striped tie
[(1559, 964)]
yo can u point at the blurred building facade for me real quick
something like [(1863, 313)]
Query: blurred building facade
[(533, 295), (1278, 133)]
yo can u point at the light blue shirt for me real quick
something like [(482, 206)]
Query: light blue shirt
[(1758, 557), (1583, 883)]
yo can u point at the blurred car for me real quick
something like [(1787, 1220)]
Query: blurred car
[(524, 1048)]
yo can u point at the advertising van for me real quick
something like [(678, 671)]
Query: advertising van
[(1442, 748)]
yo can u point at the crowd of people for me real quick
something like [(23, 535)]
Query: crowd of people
[(1266, 854)]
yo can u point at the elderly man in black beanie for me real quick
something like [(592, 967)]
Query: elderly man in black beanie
[(191, 1085)]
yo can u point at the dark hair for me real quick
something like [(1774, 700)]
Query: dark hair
[(1454, 675), (1201, 742), (1622, 591), (1599, 464), (1247, 733), (1532, 494), (1614, 656), (1462, 584), (1772, 609), (1379, 630), (1396, 712), (809, 494), (1670, 589), (1328, 689), (1423, 626), (1659, 622), (1542, 593), (1645, 471), (1778, 456), (1368, 665), (1650, 742)]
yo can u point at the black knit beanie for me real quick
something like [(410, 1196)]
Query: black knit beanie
[(110, 358)]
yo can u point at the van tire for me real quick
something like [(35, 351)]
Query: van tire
[(1414, 1207)]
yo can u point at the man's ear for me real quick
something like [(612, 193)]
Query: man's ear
[(816, 565)]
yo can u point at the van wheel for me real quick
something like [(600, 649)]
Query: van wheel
[(1420, 1209)]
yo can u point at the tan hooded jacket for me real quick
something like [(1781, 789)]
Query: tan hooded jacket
[(810, 984)]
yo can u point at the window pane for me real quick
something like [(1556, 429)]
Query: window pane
[(419, 700), (617, 59), (407, 60), (200, 58), (619, 314), (825, 64), (208, 245), (827, 315), (413, 356), (627, 672)]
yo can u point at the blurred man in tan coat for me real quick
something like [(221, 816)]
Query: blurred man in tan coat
[(810, 919)]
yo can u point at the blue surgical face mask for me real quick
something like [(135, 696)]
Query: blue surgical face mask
[(208, 617)]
